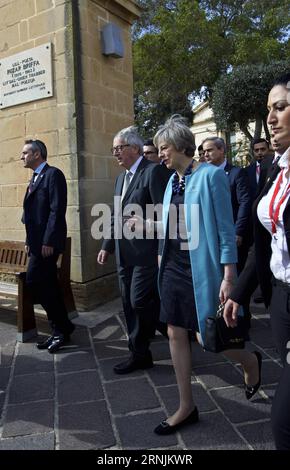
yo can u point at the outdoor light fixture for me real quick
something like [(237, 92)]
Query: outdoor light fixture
[(112, 43)]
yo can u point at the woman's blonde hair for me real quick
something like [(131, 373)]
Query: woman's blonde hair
[(176, 132)]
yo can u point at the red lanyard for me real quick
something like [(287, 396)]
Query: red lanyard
[(274, 214)]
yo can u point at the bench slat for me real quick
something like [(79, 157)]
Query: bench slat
[(14, 260)]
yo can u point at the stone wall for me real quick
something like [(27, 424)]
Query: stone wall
[(24, 25), (93, 99)]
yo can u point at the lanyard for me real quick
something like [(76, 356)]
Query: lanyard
[(274, 214)]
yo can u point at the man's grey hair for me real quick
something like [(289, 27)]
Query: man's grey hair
[(218, 142), (130, 136), (176, 132)]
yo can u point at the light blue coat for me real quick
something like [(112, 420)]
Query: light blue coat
[(210, 231)]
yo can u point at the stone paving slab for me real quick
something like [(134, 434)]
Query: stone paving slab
[(32, 387), (220, 375), (33, 418), (237, 408), (73, 400), (160, 350), (37, 442), (80, 338), (162, 373), (79, 387), (262, 337), (200, 357), (109, 330), (270, 372), (85, 426), (4, 377), (202, 399), (108, 349), (2, 398), (72, 361), (36, 362), (136, 432), (212, 432), (259, 435), (131, 395), (7, 353)]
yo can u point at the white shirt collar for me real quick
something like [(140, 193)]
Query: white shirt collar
[(135, 166)]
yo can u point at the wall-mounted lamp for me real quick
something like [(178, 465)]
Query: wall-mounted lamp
[(112, 43)]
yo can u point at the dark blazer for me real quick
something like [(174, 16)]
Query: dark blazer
[(257, 269), (240, 196), (146, 187), (44, 211), (267, 168), (251, 172)]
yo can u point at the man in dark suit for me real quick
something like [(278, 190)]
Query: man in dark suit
[(150, 151), (269, 164), (143, 183), (44, 210), (214, 152), (255, 171)]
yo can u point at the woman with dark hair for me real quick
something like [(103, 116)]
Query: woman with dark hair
[(197, 269), (269, 258)]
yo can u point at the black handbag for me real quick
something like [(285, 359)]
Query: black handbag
[(219, 337)]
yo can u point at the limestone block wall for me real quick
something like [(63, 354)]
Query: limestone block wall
[(24, 25), (106, 95), (93, 99)]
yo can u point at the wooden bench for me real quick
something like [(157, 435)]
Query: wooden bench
[(14, 260)]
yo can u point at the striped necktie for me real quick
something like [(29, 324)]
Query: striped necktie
[(32, 182), (126, 183)]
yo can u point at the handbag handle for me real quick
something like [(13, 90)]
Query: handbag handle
[(220, 310)]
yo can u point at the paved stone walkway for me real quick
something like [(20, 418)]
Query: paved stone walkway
[(73, 399)]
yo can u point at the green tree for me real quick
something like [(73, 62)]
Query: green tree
[(182, 47), (241, 96)]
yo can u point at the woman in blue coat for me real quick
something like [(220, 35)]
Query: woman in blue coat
[(197, 269)]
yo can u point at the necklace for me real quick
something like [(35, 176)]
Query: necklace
[(178, 187)]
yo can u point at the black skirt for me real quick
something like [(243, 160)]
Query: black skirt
[(176, 288)]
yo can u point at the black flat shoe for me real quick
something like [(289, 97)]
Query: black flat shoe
[(164, 428), (251, 390)]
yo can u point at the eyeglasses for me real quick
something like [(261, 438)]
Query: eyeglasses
[(119, 148)]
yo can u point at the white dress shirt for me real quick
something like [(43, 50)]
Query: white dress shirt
[(280, 260)]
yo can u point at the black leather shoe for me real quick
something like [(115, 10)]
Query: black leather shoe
[(57, 343), (164, 428), (250, 391), (44, 344), (133, 364)]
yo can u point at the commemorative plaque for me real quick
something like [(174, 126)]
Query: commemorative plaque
[(26, 76)]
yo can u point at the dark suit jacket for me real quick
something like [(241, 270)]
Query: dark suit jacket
[(146, 187), (251, 172), (267, 168), (44, 211), (240, 196), (257, 269)]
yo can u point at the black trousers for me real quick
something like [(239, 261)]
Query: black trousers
[(138, 286), (41, 279), (280, 323)]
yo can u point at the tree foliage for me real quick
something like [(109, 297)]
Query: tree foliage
[(181, 47), (241, 96)]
